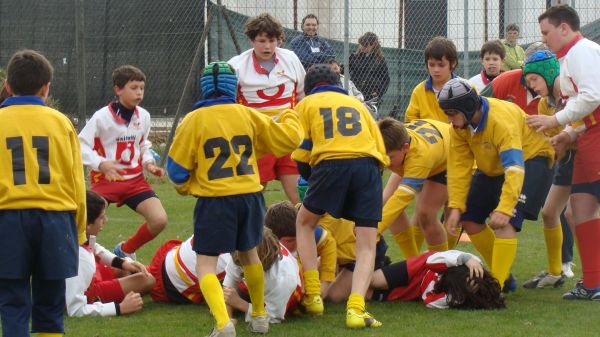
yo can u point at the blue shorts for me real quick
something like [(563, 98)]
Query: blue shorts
[(485, 191), (346, 188), (589, 188), (39, 242), (439, 178), (564, 170), (227, 224)]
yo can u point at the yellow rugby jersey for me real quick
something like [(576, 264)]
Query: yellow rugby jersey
[(337, 126), (40, 159), (500, 144), (424, 104), (342, 231), (426, 157), (215, 148)]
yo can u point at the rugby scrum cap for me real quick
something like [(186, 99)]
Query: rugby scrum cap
[(320, 74), (457, 94), (543, 63), (218, 78)]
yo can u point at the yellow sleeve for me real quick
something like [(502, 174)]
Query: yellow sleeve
[(460, 169), (303, 152), (392, 209), (413, 110), (327, 251), (183, 149), (79, 186), (511, 155), (279, 137)]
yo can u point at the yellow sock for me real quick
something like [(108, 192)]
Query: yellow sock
[(419, 237), (438, 248), (484, 243), (312, 285), (406, 242), (505, 251), (255, 280), (356, 302), (213, 294), (49, 334), (554, 238), (452, 240)]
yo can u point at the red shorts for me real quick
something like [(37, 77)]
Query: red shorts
[(271, 167), (586, 167), (104, 287), (155, 268), (119, 191)]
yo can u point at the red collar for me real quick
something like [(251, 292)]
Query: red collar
[(259, 69), (117, 118), (484, 78), (568, 46)]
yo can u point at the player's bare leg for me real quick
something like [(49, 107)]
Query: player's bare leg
[(288, 183), (430, 201)]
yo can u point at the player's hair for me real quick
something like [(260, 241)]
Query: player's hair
[(464, 292), (94, 205), (281, 219), (394, 134), (126, 73), (562, 14), (27, 72), (269, 250), (493, 47), (440, 47), (263, 23), (371, 39), (309, 16), (512, 27)]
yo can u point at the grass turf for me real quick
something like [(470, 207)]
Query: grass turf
[(528, 313)]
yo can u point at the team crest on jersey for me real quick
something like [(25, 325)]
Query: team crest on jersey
[(137, 125), (280, 72)]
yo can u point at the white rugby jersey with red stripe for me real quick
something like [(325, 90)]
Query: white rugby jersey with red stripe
[(269, 91), (107, 136)]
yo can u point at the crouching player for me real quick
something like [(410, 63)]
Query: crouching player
[(514, 172), (283, 284), (105, 285), (442, 280), (418, 151), (342, 156), (213, 157)]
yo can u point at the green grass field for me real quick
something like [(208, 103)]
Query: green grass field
[(529, 312)]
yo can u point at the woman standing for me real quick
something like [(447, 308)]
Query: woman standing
[(368, 69)]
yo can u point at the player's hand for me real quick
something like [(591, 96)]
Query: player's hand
[(155, 170), (452, 220), (230, 295), (112, 170), (131, 303), (542, 122), (561, 143), (475, 268), (134, 267), (498, 220)]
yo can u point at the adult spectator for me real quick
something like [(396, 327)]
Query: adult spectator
[(515, 55), (368, 69), (311, 48)]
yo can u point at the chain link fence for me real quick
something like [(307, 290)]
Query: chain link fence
[(86, 40)]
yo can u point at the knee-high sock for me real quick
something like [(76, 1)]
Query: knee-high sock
[(140, 238), (484, 243), (312, 285), (255, 279), (503, 257), (588, 236), (419, 236), (356, 302), (49, 334), (554, 238), (213, 294), (439, 248), (406, 242)]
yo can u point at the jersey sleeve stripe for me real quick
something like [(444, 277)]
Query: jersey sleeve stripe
[(414, 183), (512, 157), (177, 173), (306, 145)]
